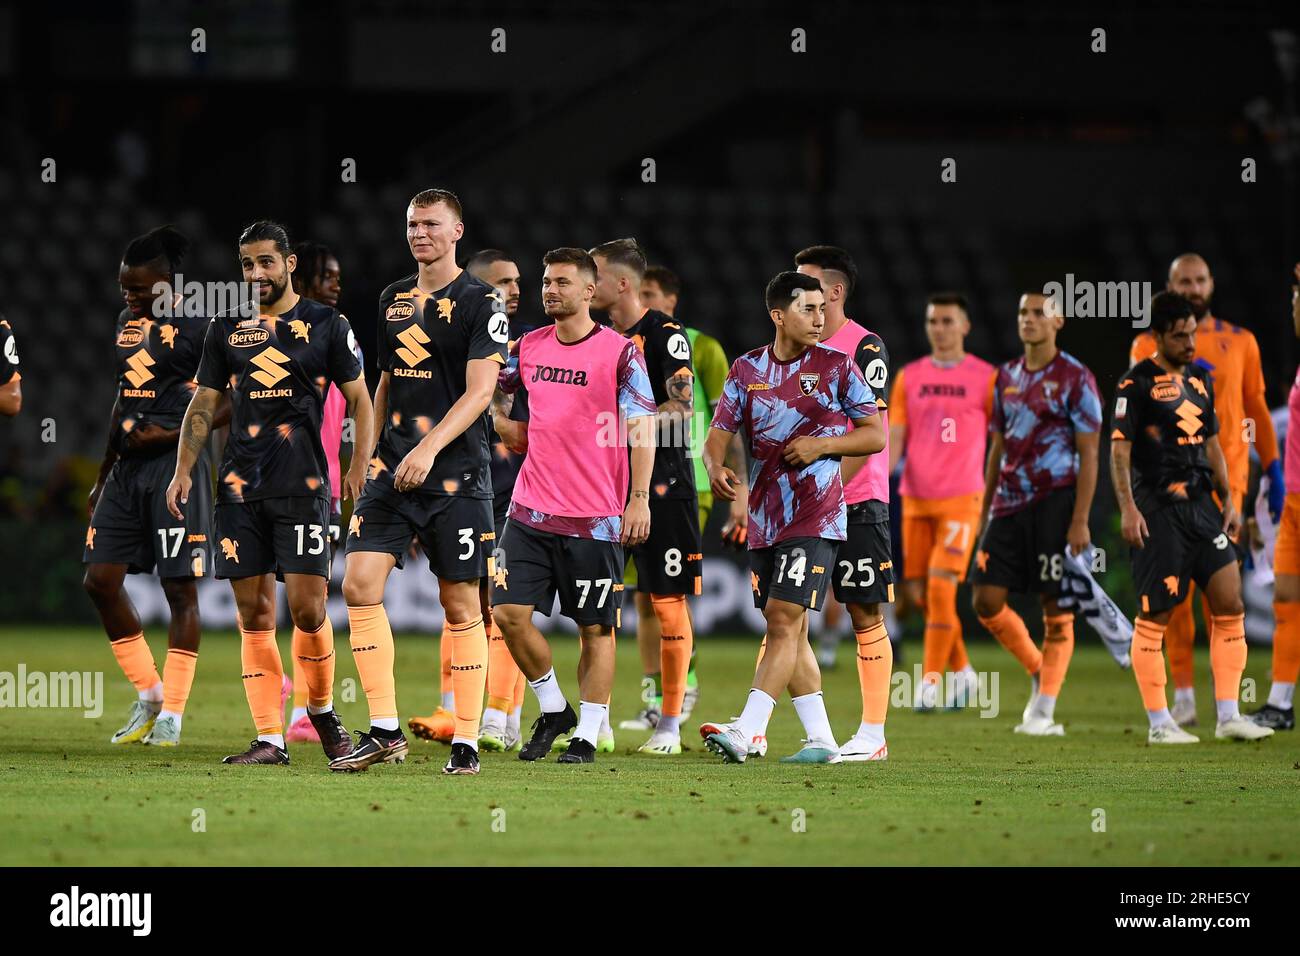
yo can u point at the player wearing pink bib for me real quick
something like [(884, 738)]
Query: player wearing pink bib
[(939, 413), (1279, 711), (564, 534), (864, 568), (317, 277)]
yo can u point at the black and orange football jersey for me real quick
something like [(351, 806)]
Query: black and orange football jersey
[(278, 369), (8, 354), (156, 363), (667, 350), (425, 341), (505, 463), (1168, 418)]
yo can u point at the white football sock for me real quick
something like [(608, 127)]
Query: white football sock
[(605, 728), (493, 716), (384, 723), (277, 739), (752, 721), (871, 733), (154, 694), (549, 695), (449, 701), (1226, 709), (515, 718), (1045, 706), (1160, 718), (1185, 695), (590, 717), (811, 709), (317, 711), (1282, 695), (668, 725), (172, 714), (298, 714), (466, 741)]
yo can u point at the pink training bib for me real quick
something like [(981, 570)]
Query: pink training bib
[(947, 417)]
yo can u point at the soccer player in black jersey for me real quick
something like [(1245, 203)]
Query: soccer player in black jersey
[(131, 530), (11, 391), (273, 490), (1166, 434), (441, 345), (499, 729), (668, 562)]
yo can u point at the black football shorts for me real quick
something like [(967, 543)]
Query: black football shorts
[(132, 526), (797, 571), (536, 565), (288, 535)]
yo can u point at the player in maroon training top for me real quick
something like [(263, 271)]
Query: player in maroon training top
[(794, 399)]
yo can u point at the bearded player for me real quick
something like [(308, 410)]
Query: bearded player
[(272, 513), (1040, 480), (1166, 436), (581, 496)]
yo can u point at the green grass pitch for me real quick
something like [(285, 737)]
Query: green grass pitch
[(957, 789)]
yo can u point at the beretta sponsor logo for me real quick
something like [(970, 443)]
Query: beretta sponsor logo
[(247, 338), (129, 338), (399, 311)]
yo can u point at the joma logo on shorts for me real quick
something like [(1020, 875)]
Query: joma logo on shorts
[(561, 376)]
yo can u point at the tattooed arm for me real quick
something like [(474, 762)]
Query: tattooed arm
[(195, 429), (674, 415)]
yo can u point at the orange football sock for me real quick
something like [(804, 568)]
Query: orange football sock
[(469, 660), (263, 675), (315, 651), (445, 684), (372, 649), (136, 660), (502, 672), (1227, 654), (875, 667), (675, 643), (520, 683), (178, 678), (1148, 656), (1286, 642), (1009, 629), (959, 660), (941, 626), (299, 685), (1058, 648), (1180, 633)]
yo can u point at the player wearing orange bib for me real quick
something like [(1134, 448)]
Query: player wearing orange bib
[(939, 411), (1230, 355)]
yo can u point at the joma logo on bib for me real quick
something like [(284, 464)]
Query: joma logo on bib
[(561, 376)]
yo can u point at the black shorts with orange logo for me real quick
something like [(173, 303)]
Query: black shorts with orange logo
[(1024, 551), (796, 570), (668, 561), (284, 535), (132, 526), (864, 567), (534, 566), (1186, 542), (456, 532)]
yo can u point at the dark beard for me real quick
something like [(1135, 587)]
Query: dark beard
[(1200, 308)]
